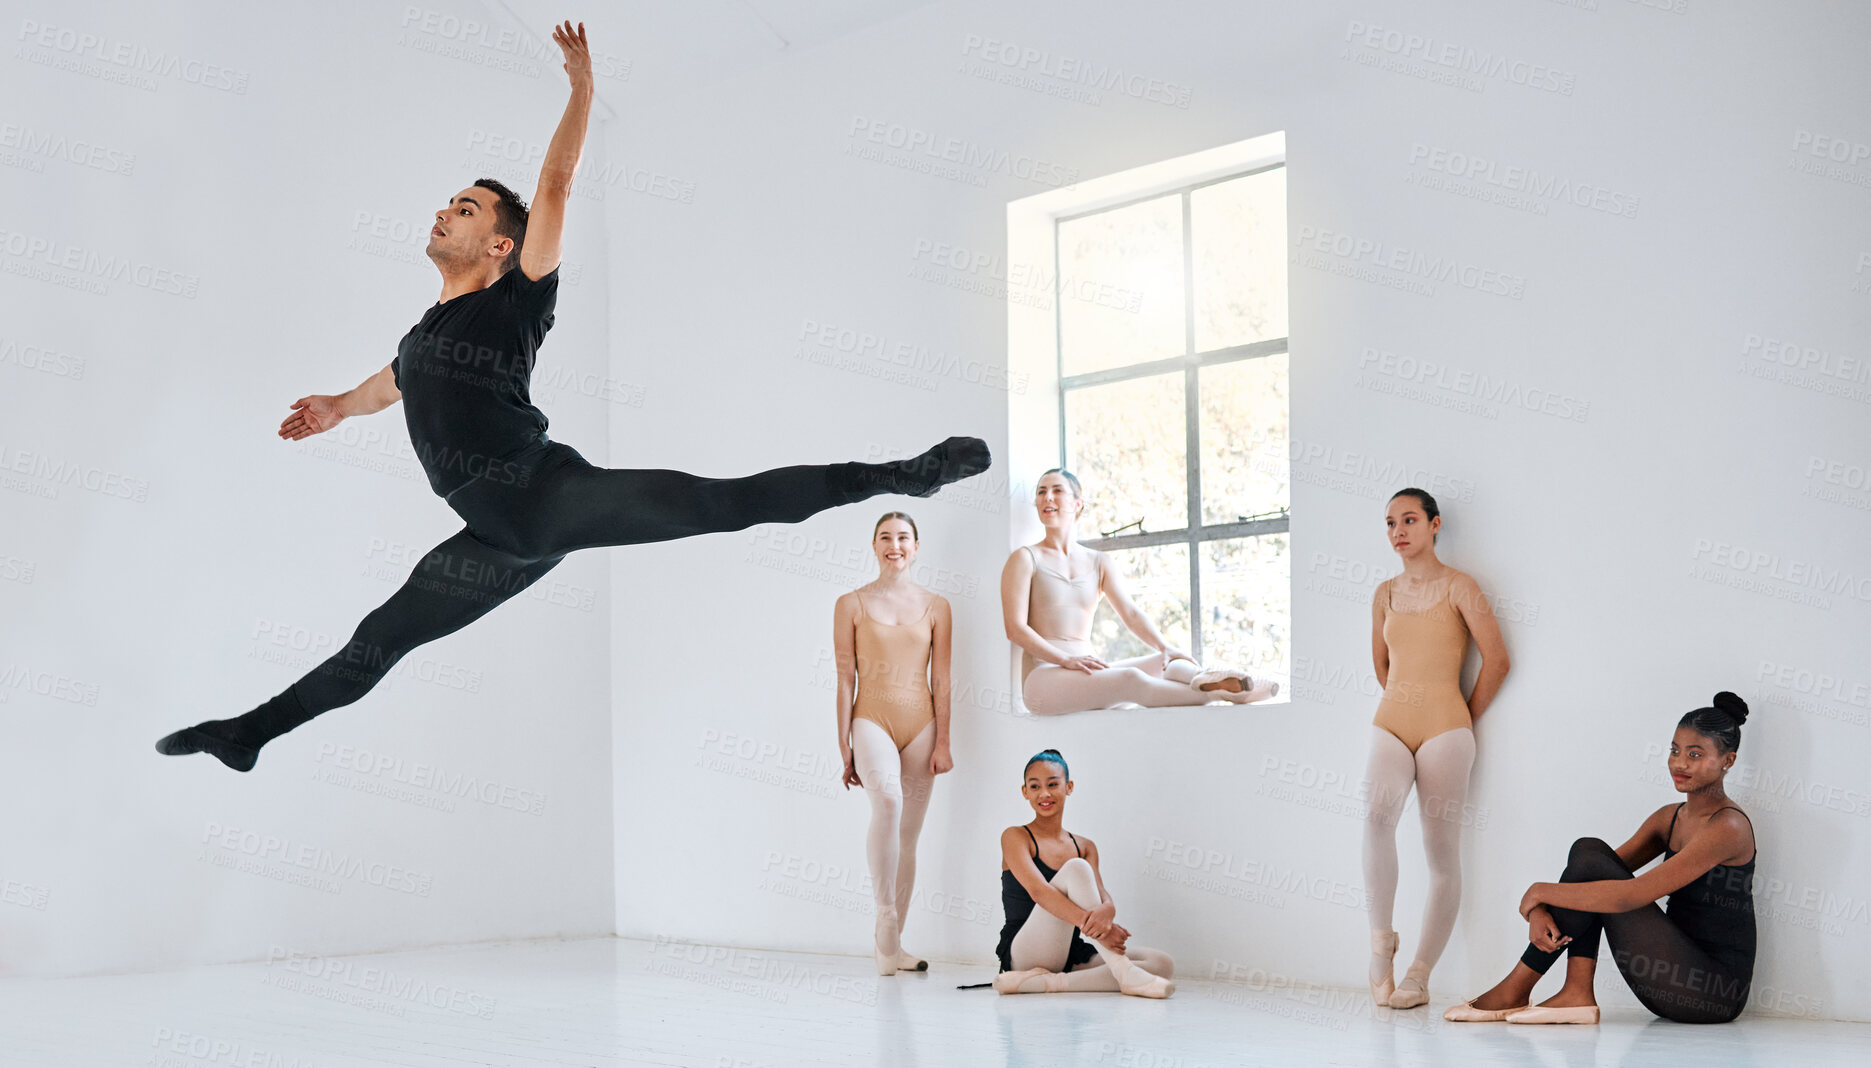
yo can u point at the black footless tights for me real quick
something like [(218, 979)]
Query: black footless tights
[(524, 516), (1670, 974)]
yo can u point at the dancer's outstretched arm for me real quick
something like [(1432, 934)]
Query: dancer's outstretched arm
[(318, 413), (545, 223)]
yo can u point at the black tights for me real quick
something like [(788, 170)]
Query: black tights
[(524, 516), (1670, 974)]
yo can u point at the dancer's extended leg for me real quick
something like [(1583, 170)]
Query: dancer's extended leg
[(1442, 767), (458, 582), (1387, 778), (578, 506), (1051, 689)]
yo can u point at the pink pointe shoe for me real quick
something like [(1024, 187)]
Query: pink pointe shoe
[(1222, 679), (1030, 981), (1141, 984), (1543, 1014), (1384, 944), (1467, 1013)]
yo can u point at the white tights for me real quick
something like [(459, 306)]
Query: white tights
[(1044, 940), (898, 785), (1142, 680), (1439, 768)]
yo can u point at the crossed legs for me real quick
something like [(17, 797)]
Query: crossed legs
[(1439, 769)]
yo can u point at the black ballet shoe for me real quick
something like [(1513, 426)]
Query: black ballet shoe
[(202, 739), (953, 460)]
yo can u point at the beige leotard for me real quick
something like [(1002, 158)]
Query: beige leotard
[(1423, 693), (893, 674), (1059, 609)]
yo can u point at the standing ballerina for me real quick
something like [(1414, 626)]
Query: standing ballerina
[(465, 370), (1421, 622), (1049, 592), (1049, 903), (892, 640)]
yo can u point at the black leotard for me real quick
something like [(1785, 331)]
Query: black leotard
[(1717, 910), (1018, 905), (465, 370)]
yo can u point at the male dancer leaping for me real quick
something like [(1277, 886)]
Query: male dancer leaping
[(463, 372)]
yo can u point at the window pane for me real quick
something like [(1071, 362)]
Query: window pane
[(1247, 610), (1239, 231), (1128, 445), (1244, 438), (1157, 578), (1120, 286)]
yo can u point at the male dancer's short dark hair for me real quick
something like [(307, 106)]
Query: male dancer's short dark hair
[(510, 214)]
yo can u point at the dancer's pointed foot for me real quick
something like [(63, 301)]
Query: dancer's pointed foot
[(953, 460), (910, 962), (215, 738), (1142, 984)]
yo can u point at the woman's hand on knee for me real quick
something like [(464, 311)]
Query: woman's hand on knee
[(1087, 664), (1543, 932)]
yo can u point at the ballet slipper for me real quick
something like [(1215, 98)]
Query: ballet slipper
[(1467, 1013), (1142, 984), (216, 743), (1024, 982), (1542, 1014), (1384, 944), (910, 962), (1413, 992), (1222, 679)]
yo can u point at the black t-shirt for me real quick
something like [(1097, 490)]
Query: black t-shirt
[(465, 371)]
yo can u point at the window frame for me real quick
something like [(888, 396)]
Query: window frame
[(1191, 362)]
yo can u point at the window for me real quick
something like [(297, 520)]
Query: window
[(1171, 344)]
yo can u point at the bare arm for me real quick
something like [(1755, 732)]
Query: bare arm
[(1112, 585), (1726, 838), (1479, 616), (845, 655), (545, 225), (939, 648), (1380, 649), (319, 412)]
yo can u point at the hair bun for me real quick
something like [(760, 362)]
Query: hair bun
[(1732, 706)]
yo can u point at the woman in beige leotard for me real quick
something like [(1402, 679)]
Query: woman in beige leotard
[(891, 639), (1421, 623), (1049, 591)]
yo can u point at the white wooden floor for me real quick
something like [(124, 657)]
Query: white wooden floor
[(620, 1002)]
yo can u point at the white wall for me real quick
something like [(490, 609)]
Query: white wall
[(194, 560), (1592, 533)]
